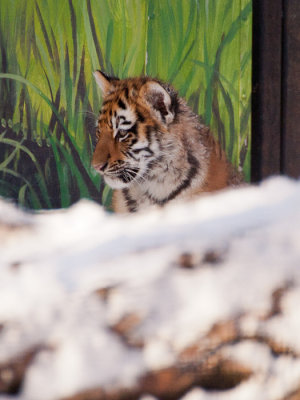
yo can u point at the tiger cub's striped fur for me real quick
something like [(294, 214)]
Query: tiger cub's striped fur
[(152, 148)]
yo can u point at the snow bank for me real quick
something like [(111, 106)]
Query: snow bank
[(205, 293)]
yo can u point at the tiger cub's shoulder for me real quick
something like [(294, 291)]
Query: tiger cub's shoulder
[(152, 149)]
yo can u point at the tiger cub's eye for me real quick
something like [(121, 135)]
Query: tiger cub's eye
[(122, 134)]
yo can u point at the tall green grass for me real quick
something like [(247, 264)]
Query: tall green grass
[(48, 102)]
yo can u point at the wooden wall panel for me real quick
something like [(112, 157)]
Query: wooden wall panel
[(276, 89), (291, 89), (266, 100)]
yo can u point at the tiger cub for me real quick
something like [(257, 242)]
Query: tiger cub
[(151, 148)]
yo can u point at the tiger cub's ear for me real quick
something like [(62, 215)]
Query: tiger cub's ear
[(159, 100), (104, 82)]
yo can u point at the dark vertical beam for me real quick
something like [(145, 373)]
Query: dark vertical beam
[(291, 89), (266, 97)]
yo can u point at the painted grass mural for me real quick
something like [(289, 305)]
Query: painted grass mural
[(49, 101)]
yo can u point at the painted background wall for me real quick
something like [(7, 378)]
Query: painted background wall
[(48, 99)]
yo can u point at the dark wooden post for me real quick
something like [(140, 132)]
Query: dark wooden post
[(266, 100), (291, 89), (276, 88)]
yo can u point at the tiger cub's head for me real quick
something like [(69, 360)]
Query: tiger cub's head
[(135, 115)]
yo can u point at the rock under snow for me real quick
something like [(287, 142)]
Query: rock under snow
[(196, 301)]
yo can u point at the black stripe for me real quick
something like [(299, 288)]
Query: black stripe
[(152, 164), (125, 153), (105, 102), (129, 153), (121, 104), (193, 161), (194, 166), (157, 101), (126, 93), (146, 148), (149, 131), (109, 78), (126, 122), (140, 117), (131, 204), (133, 129)]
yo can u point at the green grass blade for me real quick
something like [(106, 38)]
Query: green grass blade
[(94, 34), (74, 37), (63, 184), (19, 146), (45, 33), (230, 110), (35, 202), (68, 137)]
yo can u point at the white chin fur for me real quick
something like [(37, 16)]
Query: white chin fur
[(115, 183)]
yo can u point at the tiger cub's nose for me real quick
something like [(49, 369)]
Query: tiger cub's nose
[(100, 167)]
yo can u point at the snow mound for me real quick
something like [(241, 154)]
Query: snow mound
[(197, 300)]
